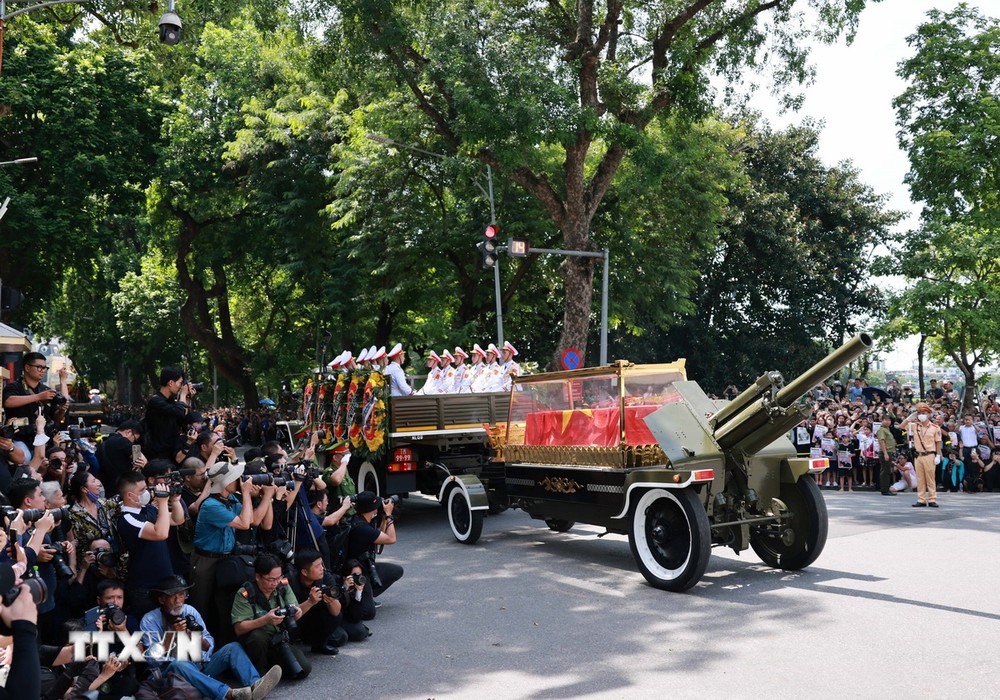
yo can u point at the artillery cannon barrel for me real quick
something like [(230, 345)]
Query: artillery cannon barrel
[(839, 358), (764, 421)]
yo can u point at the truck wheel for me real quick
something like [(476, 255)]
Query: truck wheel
[(560, 525), (367, 479), (802, 536), (466, 524), (670, 538)]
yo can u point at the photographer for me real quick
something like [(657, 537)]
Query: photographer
[(185, 446), (359, 605), (99, 564), (165, 413), (18, 618), (264, 618), (320, 596), (50, 557), (221, 514), (116, 455), (366, 537), (29, 397), (173, 614), (143, 535)]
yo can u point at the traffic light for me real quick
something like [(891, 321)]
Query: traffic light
[(489, 246)]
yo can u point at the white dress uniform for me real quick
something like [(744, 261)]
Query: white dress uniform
[(398, 386), (510, 370)]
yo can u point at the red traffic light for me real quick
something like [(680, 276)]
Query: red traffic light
[(492, 231)]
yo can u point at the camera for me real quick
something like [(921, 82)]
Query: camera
[(39, 593), (232, 442), (59, 563), (112, 614), (359, 580), (170, 28), (166, 492), (246, 549), (7, 432), (190, 622), (76, 432), (286, 611), (260, 479), (57, 401), (34, 514), (105, 557), (197, 386)]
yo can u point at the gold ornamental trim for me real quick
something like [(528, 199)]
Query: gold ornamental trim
[(555, 484), (628, 456)]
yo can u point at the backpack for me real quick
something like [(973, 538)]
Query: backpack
[(336, 538)]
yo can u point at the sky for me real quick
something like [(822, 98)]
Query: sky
[(852, 95)]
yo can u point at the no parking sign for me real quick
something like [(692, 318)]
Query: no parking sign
[(571, 358)]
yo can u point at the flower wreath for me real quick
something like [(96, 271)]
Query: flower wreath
[(374, 415)]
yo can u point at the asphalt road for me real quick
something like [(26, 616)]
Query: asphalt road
[(902, 603)]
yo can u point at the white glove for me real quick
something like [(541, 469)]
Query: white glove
[(937, 459)]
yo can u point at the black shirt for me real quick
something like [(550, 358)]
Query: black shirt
[(28, 410), (163, 424), (114, 454)]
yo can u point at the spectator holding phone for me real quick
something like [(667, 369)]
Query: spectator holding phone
[(119, 454)]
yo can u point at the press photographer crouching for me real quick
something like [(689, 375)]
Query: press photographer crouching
[(265, 619), (321, 598), (173, 614), (373, 527)]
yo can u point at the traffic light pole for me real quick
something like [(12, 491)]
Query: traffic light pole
[(604, 288), (496, 268)]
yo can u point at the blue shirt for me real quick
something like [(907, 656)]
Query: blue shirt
[(153, 622), (212, 532)]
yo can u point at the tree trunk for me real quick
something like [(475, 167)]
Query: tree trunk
[(224, 350)]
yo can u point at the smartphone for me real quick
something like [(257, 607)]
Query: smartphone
[(136, 453), (19, 422)]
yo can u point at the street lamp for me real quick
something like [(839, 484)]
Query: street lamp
[(487, 192), (170, 23)]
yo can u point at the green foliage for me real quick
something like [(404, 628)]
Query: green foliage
[(949, 115), (788, 279)]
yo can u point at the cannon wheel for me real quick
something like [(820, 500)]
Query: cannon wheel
[(466, 524), (670, 538), (803, 534), (560, 525)]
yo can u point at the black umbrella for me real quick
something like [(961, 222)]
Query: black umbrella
[(870, 392)]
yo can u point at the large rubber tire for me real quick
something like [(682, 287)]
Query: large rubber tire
[(670, 538), (365, 478), (466, 524), (804, 533), (560, 525)]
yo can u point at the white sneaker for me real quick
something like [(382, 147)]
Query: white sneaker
[(266, 684)]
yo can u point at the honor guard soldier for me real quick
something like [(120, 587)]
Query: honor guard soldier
[(448, 373), (463, 372), (361, 359), (398, 385), (431, 386), (380, 359), (490, 379), (509, 369), (478, 368)]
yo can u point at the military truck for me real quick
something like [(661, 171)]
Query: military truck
[(641, 451), (426, 443)]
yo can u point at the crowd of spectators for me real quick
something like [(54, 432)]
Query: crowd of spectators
[(860, 428), (160, 529)]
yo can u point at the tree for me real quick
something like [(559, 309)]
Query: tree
[(956, 289), (949, 120), (557, 95), (949, 116), (789, 277)]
